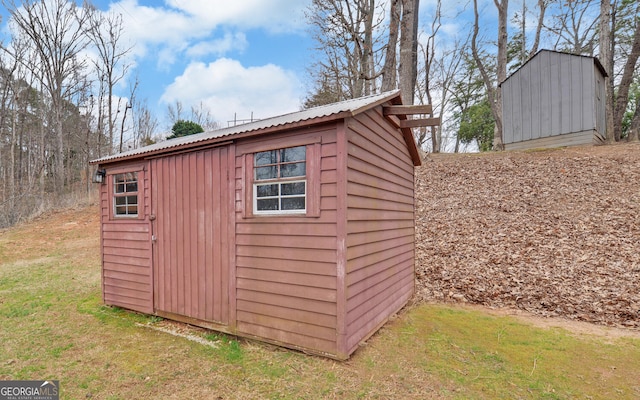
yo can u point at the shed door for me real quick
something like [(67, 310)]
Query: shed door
[(191, 229)]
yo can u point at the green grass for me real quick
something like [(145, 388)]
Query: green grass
[(54, 326)]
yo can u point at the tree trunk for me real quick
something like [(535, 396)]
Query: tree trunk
[(389, 69), (635, 124), (409, 50), (502, 71), (59, 175), (622, 98), (493, 93), (605, 60), (367, 51), (542, 6)]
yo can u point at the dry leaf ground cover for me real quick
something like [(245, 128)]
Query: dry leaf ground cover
[(552, 232)]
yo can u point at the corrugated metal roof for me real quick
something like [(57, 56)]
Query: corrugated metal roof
[(352, 107)]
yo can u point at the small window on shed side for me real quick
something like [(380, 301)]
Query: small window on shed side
[(282, 181), (280, 185), (125, 195)]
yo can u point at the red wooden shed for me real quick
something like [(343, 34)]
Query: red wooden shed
[(296, 230)]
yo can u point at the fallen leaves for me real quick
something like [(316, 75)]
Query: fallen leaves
[(553, 232)]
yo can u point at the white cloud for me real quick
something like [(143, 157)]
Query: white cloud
[(228, 88), (272, 15), (190, 25), (219, 47)]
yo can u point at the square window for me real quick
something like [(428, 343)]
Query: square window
[(280, 181), (125, 195)]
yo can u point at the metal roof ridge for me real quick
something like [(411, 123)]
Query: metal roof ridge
[(352, 106)]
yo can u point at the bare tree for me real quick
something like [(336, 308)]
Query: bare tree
[(174, 112), (146, 124), (345, 33), (574, 26), (440, 78), (606, 58), (56, 30), (493, 90), (542, 7), (629, 69), (409, 50), (106, 33), (201, 115), (428, 51), (128, 104), (389, 69), (634, 128)]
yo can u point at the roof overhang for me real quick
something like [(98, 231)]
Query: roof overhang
[(390, 101)]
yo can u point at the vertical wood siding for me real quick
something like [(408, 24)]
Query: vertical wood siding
[(553, 94), (380, 225), (286, 266), (126, 251), (191, 205)]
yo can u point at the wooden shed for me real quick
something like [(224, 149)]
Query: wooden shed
[(555, 99), (296, 230)]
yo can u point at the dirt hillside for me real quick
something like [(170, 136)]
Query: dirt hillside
[(552, 232)]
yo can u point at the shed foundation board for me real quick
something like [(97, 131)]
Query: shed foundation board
[(569, 139)]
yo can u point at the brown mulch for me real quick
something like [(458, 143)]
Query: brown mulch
[(552, 232)]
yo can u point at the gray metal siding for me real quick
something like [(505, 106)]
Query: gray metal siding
[(545, 87), (535, 78), (600, 114), (552, 94)]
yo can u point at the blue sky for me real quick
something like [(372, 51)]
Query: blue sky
[(238, 57)]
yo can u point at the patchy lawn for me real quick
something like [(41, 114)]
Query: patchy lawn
[(54, 326)]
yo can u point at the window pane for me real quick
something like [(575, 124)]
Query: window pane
[(266, 173), (267, 190), (291, 170), (125, 182), (266, 157), (267, 204), (293, 188), (293, 203), (293, 154)]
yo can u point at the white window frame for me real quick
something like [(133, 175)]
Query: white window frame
[(126, 194), (280, 211), (280, 182)]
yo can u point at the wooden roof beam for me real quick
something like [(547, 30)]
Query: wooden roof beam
[(407, 110), (420, 122)]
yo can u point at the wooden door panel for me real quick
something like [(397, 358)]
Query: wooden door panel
[(189, 193)]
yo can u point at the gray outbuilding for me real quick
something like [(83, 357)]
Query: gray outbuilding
[(554, 99)]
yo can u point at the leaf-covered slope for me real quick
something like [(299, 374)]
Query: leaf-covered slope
[(553, 232)]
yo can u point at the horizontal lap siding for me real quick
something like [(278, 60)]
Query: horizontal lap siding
[(286, 266), (126, 254), (380, 225)]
